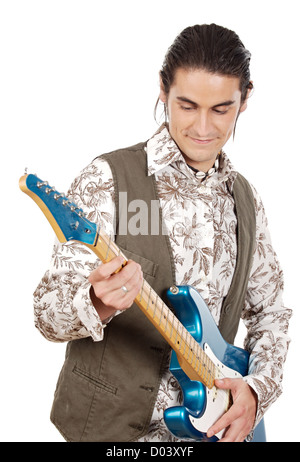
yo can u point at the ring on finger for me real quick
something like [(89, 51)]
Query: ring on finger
[(125, 290)]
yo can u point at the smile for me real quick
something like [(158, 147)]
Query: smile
[(197, 141)]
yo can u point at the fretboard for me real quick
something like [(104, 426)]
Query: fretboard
[(191, 357)]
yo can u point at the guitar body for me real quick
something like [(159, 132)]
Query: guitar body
[(202, 407)]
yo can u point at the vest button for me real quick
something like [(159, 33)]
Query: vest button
[(147, 388)]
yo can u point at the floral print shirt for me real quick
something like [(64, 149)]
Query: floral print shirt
[(198, 212)]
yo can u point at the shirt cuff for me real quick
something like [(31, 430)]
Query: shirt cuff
[(264, 388), (87, 314)]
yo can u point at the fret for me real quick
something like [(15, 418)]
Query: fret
[(200, 361), (183, 331), (141, 291), (185, 343), (147, 307), (199, 352), (167, 321), (173, 328), (155, 306), (178, 337), (171, 323), (189, 348), (177, 333), (195, 358), (205, 370), (108, 247), (161, 313)]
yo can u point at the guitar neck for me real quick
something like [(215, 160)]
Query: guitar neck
[(191, 357)]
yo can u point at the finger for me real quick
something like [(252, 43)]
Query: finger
[(226, 384), (224, 422), (236, 432), (132, 279), (120, 300), (105, 270), (128, 276), (112, 274), (109, 289)]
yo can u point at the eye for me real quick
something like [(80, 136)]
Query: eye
[(187, 108), (220, 111)]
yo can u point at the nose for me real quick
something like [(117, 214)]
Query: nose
[(203, 124)]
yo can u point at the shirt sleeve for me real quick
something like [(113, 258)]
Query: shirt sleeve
[(266, 318), (63, 309)]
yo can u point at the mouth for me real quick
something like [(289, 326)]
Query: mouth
[(201, 141)]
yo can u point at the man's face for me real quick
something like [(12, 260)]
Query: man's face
[(202, 109)]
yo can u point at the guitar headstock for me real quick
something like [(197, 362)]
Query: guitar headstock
[(66, 218)]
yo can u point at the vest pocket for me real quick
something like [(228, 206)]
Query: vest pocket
[(148, 267), (96, 381)]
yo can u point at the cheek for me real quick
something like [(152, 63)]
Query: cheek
[(178, 122), (227, 126)]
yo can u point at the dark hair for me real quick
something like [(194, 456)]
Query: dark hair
[(209, 47)]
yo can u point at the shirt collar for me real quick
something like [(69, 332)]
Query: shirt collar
[(162, 151)]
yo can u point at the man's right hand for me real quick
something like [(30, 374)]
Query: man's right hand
[(113, 291)]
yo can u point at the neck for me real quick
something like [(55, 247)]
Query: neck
[(201, 166)]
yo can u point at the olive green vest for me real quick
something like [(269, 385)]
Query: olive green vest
[(107, 390)]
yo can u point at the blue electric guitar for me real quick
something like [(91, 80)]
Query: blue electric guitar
[(200, 354)]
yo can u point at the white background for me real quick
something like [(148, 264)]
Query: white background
[(79, 78)]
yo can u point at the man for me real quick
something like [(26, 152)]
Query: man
[(205, 85)]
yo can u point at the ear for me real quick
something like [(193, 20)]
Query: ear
[(245, 103), (162, 94), (243, 106)]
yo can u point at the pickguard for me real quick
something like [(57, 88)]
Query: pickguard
[(217, 400)]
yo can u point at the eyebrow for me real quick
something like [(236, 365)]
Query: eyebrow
[(186, 100)]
